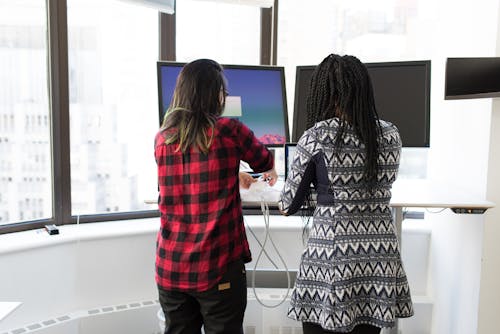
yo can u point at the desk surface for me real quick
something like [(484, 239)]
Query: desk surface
[(409, 193), (429, 194), (405, 193)]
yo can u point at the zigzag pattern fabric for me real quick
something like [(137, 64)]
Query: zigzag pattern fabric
[(351, 271)]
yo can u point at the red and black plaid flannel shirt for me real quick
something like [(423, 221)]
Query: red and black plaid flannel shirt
[(202, 228)]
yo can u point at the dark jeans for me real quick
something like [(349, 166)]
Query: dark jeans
[(219, 310), (310, 328)]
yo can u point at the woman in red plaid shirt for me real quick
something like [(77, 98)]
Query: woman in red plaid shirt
[(202, 244)]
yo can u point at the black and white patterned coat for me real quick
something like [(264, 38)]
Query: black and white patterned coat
[(350, 271)]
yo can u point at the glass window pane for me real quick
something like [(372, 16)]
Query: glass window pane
[(374, 31), (226, 33), (113, 49), (25, 158)]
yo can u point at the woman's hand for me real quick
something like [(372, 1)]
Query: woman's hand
[(271, 176), (246, 180), (280, 208)]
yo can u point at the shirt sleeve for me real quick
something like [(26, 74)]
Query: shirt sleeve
[(302, 173), (254, 152), (390, 150)]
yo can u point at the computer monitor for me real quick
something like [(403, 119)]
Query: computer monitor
[(257, 97), (468, 78), (402, 97)]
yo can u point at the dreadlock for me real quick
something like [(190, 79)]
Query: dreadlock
[(341, 87)]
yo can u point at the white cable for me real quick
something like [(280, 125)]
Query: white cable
[(265, 212), (439, 211), (78, 234), (258, 241)]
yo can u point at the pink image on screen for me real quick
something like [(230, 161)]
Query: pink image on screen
[(272, 139)]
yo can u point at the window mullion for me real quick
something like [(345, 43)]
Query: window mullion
[(269, 34), (167, 35), (57, 20)]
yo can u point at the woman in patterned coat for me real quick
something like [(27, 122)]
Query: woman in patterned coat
[(350, 279)]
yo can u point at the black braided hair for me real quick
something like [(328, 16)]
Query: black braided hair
[(341, 87)]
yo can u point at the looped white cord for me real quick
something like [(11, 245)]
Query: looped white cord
[(265, 212), (248, 228), (438, 211)]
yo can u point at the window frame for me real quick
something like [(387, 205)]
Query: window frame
[(58, 84)]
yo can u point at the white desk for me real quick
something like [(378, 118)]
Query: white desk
[(427, 194), (405, 194), (413, 194)]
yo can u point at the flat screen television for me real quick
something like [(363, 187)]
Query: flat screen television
[(402, 97), (257, 97), (469, 78)]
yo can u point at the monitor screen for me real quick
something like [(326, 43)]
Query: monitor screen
[(402, 97), (468, 78), (256, 97), (289, 154)]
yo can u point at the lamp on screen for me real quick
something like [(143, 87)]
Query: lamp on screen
[(232, 107)]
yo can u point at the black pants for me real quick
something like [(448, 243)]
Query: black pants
[(310, 328), (219, 310)]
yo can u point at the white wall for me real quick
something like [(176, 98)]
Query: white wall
[(86, 266), (107, 264), (455, 271), (489, 303), (458, 156), (459, 128)]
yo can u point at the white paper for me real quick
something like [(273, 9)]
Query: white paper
[(7, 307)]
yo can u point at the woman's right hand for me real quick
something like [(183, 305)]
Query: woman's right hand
[(271, 176), (246, 180)]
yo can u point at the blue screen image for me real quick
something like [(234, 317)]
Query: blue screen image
[(260, 93)]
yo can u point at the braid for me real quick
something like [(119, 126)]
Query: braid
[(364, 116), (320, 103), (341, 87)]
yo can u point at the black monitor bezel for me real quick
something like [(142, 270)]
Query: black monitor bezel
[(298, 71), (281, 69), (159, 65), (425, 63), (472, 95)]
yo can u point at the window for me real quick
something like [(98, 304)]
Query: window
[(374, 31), (25, 157), (113, 49), (226, 33)]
